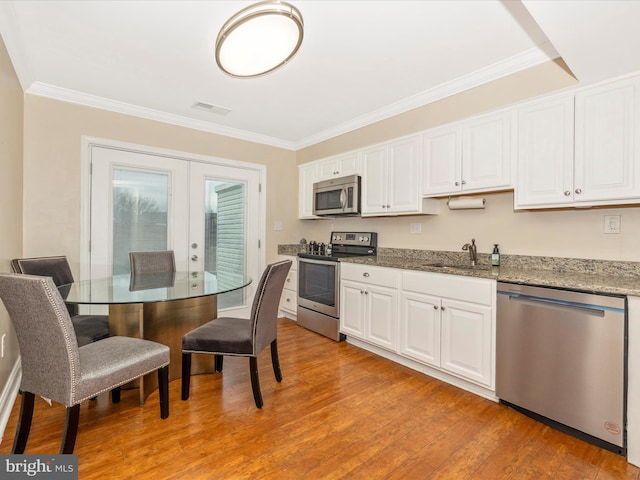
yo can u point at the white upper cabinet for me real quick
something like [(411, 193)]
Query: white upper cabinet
[(581, 149), (340, 166), (607, 142), (545, 153), (307, 176), (470, 156), (391, 179)]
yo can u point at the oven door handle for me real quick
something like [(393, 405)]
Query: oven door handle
[(321, 262)]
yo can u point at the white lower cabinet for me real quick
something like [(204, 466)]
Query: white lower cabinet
[(289, 298), (369, 304), (447, 322)]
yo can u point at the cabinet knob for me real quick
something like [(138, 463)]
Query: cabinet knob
[(442, 308), (567, 193), (288, 300), (457, 184), (194, 258), (365, 274), (464, 182), (435, 307), (366, 292), (388, 206), (578, 191)]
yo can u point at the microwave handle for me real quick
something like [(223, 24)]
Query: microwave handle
[(343, 198)]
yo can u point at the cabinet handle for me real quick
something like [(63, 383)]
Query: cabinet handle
[(442, 308), (464, 182), (365, 274), (366, 292), (388, 206), (578, 191), (457, 184), (567, 193), (435, 307)]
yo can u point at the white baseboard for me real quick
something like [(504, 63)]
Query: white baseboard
[(8, 396)]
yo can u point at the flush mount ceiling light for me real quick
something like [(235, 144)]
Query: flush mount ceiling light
[(259, 39)]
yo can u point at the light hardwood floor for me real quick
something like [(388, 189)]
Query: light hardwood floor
[(340, 412)]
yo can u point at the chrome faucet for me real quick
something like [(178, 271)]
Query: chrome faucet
[(473, 251)]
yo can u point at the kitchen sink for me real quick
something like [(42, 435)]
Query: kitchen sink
[(456, 267)]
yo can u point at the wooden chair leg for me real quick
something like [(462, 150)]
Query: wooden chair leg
[(163, 387), (115, 395), (186, 375), (218, 363), (70, 430), (275, 360), (24, 423), (255, 381)]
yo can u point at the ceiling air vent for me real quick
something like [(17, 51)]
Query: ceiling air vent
[(207, 107)]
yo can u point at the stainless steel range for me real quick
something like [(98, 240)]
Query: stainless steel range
[(319, 280)]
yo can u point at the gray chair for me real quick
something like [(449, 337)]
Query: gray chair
[(88, 328), (54, 367), (143, 263), (242, 337)]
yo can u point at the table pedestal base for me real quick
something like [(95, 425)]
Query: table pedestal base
[(165, 322)]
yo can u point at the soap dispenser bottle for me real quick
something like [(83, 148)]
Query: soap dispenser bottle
[(495, 256)]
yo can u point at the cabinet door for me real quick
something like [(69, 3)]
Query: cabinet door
[(467, 341), (403, 176), (341, 166), (607, 160), (381, 315), (545, 154), (420, 328), (352, 309), (307, 176), (442, 160), (486, 152), (374, 180)]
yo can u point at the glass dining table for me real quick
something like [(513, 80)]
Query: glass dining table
[(159, 307)]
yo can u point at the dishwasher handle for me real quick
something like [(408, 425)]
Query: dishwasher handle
[(540, 302)]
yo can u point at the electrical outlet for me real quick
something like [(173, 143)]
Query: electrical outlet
[(277, 225), (415, 228), (611, 224)]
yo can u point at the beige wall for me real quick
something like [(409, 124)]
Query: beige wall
[(11, 106), (565, 233), (52, 160)]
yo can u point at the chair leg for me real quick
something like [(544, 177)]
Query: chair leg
[(24, 423), (255, 381), (186, 375), (163, 387), (275, 360), (115, 395), (70, 430), (218, 363)]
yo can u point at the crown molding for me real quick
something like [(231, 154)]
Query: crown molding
[(79, 98), (528, 59), (10, 34)]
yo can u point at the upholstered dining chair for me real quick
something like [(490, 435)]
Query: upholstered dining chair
[(152, 262), (88, 328), (242, 337), (54, 367)]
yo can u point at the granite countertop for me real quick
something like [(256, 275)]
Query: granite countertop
[(594, 276)]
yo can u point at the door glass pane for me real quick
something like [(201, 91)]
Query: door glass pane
[(140, 218), (224, 242)]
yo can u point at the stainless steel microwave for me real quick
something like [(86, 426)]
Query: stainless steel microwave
[(338, 196)]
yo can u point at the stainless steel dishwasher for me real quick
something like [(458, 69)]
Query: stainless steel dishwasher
[(561, 358)]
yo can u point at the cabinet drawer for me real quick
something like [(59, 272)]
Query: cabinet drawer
[(469, 289), (289, 301), (291, 283), (386, 277)]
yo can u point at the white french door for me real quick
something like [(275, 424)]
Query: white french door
[(207, 213)]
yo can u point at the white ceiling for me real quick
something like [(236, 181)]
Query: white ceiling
[(360, 61)]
